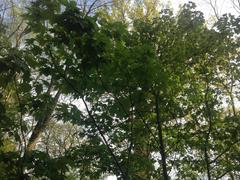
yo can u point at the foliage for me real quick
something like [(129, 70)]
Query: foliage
[(146, 96)]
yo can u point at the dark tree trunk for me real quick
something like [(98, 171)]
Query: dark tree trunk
[(160, 136)]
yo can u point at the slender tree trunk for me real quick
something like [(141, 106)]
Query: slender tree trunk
[(41, 124), (104, 140), (160, 136), (207, 163), (20, 172), (209, 117)]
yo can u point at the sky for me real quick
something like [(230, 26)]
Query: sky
[(223, 6)]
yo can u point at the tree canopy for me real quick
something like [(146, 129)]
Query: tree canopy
[(129, 89)]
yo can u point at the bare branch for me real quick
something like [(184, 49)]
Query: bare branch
[(214, 7), (91, 6), (236, 5)]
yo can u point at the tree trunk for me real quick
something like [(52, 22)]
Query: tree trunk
[(207, 163), (41, 125), (160, 136), (209, 117)]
